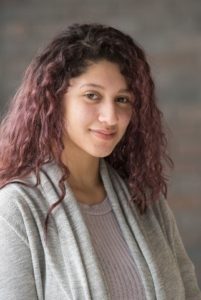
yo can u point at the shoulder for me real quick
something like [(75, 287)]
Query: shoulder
[(10, 195), (162, 210), (23, 210), (165, 217), (15, 194), (28, 191), (11, 213), (24, 202)]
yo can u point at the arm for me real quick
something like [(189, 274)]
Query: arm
[(186, 267), (16, 272)]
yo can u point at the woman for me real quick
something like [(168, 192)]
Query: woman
[(82, 152)]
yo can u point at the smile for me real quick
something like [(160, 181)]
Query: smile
[(101, 135)]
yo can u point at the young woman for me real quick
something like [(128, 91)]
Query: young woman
[(83, 213)]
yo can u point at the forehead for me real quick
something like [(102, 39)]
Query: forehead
[(103, 74)]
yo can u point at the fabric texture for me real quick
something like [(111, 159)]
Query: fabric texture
[(120, 271), (67, 267)]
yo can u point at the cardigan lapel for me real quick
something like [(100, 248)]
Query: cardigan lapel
[(74, 260), (145, 239), (127, 223)]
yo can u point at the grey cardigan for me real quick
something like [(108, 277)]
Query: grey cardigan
[(67, 266)]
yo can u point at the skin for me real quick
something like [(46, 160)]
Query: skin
[(88, 108)]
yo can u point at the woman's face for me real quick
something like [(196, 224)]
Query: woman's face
[(97, 109)]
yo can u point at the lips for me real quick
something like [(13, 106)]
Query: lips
[(106, 132), (103, 134)]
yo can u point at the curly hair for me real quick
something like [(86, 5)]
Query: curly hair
[(32, 131)]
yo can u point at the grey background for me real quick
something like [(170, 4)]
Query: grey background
[(170, 33)]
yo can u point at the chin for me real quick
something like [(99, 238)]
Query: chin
[(102, 154), (100, 151)]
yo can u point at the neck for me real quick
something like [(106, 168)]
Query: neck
[(84, 170)]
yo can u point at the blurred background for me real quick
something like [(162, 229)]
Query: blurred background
[(170, 33)]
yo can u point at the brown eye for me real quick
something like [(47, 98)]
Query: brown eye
[(123, 100), (91, 96)]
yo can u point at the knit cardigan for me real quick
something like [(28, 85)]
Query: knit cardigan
[(66, 266)]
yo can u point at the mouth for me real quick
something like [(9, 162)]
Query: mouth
[(105, 135)]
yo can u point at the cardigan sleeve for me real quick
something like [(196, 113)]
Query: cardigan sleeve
[(186, 267), (16, 272)]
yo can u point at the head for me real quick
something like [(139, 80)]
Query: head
[(34, 129), (97, 110)]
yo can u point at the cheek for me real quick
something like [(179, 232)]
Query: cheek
[(126, 118), (83, 115)]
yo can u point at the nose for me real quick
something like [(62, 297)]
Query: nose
[(108, 114)]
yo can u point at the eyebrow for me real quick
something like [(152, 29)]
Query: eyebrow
[(100, 86)]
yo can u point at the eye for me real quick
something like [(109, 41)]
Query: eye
[(91, 96), (123, 100)]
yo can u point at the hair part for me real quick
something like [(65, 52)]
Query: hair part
[(32, 131)]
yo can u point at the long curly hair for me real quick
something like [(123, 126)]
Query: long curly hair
[(31, 132)]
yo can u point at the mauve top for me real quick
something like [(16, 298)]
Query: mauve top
[(118, 267)]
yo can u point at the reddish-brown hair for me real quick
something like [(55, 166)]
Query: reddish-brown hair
[(32, 130)]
